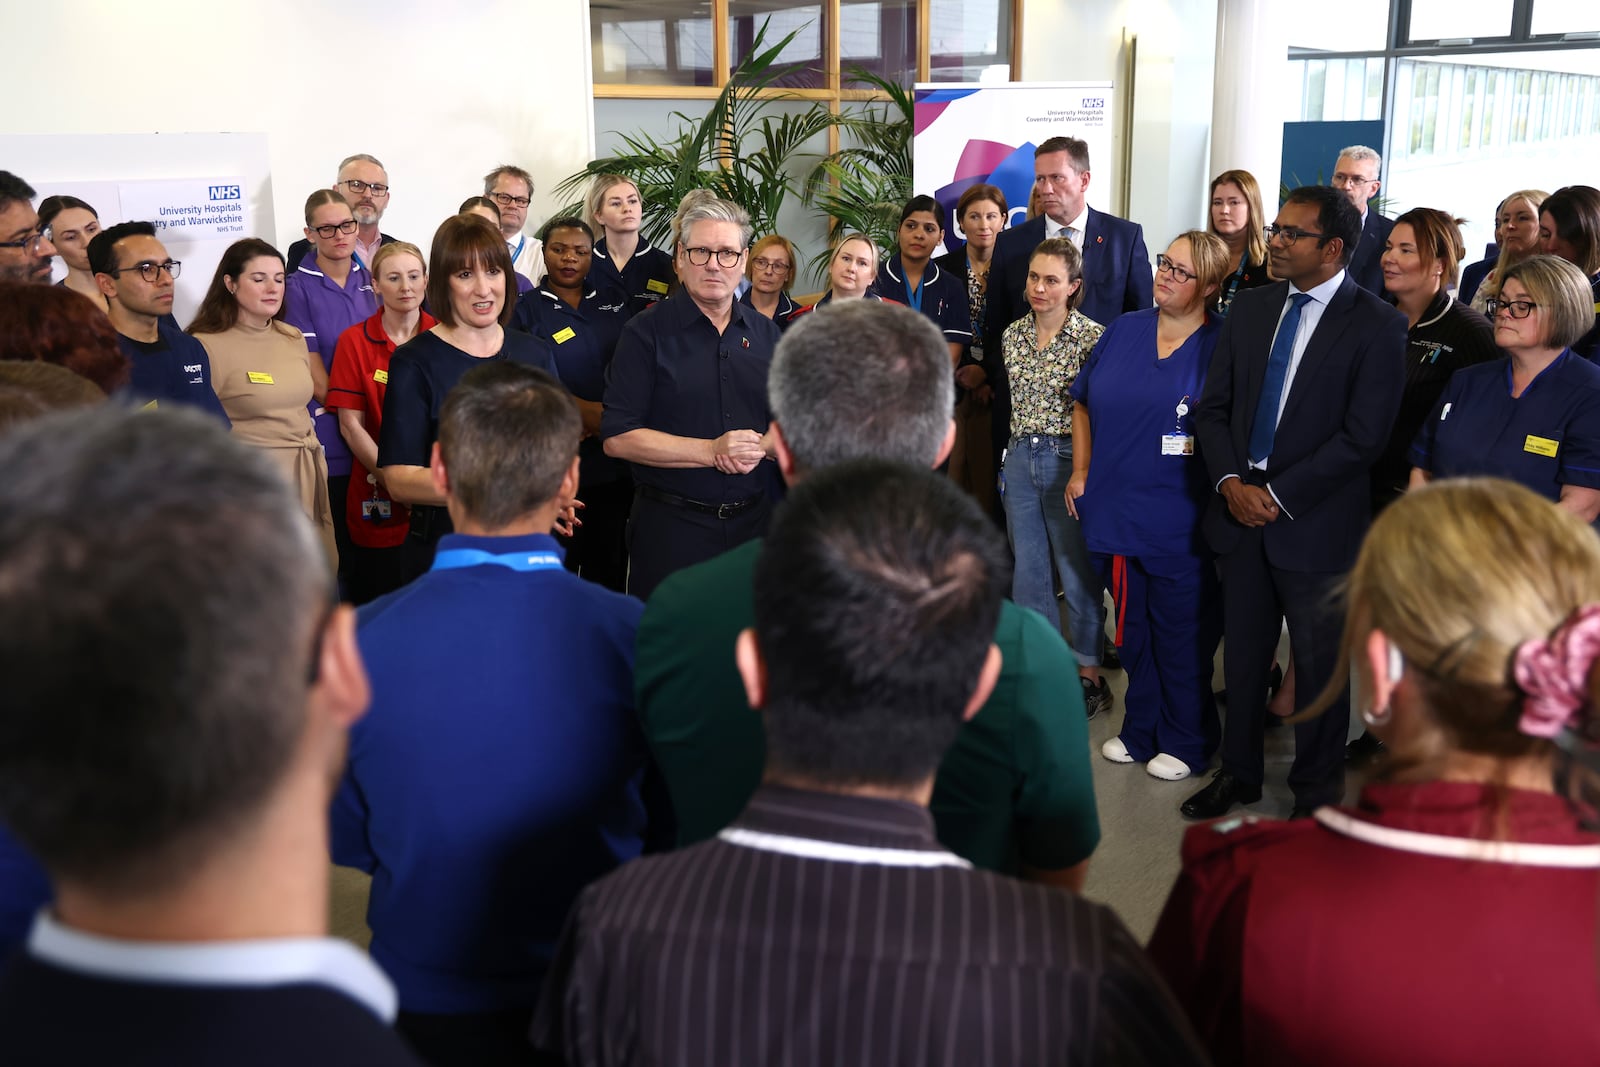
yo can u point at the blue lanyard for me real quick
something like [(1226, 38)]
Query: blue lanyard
[(453, 558), (522, 239)]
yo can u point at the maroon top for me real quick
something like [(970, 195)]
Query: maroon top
[(1410, 929)]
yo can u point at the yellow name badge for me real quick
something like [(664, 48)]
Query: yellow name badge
[(259, 377), (151, 406), (655, 285), (1540, 446), (381, 377), (563, 335)]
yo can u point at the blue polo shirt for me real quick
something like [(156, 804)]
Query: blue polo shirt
[(174, 368), (1544, 439), (647, 278), (1136, 501), (496, 773), (674, 373), (942, 297), (322, 309), (421, 374)]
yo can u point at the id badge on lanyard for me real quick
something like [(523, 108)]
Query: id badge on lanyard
[(1178, 443)]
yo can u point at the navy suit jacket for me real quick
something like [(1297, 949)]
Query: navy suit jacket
[(1335, 424), (1117, 277), (1364, 266)]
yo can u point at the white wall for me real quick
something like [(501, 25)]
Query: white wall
[(433, 90), (1171, 99)]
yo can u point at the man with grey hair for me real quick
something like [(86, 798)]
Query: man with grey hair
[(1015, 793), (1356, 174), (364, 184), (686, 405)]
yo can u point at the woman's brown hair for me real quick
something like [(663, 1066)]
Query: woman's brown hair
[(468, 242)]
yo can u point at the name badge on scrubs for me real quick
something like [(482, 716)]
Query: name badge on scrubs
[(374, 510), (1177, 444), (563, 335), (1540, 446), (655, 285), (258, 377), (381, 376)]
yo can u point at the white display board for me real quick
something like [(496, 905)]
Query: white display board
[(203, 191), (967, 134)]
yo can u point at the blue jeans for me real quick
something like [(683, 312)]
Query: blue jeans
[(1043, 533)]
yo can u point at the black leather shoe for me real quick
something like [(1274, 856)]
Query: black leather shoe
[(1303, 811), (1363, 750), (1110, 658), (1215, 799)]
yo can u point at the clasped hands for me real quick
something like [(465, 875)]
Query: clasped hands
[(1250, 505), (738, 452)]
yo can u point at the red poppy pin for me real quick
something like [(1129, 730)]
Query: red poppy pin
[(746, 341), (1099, 240)]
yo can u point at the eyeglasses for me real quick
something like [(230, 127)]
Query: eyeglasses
[(1517, 309), (726, 257), (358, 187), (1341, 179), (347, 226), (32, 244), (507, 200), (150, 270), (1290, 234), (1165, 264), (763, 264)]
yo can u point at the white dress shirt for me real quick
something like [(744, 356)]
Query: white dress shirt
[(263, 962), (1072, 231)]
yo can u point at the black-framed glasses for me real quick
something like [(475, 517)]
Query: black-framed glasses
[(1517, 309), (1165, 264), (30, 244), (150, 270), (763, 264), (347, 226), (1342, 180), (726, 257), (357, 186), (1291, 234), (507, 200)]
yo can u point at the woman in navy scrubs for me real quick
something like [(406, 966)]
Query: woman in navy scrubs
[(642, 273), (850, 273), (1534, 418), (771, 273), (1139, 490), (1569, 227), (911, 277)]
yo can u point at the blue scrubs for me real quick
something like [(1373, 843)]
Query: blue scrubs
[(1141, 513), (174, 367), (1546, 438), (941, 296), (647, 277)]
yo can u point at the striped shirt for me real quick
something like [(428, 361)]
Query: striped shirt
[(830, 929)]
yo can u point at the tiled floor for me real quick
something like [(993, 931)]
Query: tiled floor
[(1132, 870)]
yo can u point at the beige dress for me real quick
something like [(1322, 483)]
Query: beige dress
[(263, 379)]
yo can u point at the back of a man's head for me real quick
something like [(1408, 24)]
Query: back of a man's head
[(508, 433), (862, 379), (876, 599), (160, 599)]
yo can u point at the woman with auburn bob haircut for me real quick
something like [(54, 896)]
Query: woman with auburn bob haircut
[(472, 295), (1448, 916)]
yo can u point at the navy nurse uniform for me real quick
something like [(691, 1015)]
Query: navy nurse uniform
[(1546, 438), (647, 277), (1141, 507), (941, 296)]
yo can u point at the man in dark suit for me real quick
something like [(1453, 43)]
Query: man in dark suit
[(178, 693), (1297, 406), (828, 924), (1356, 174)]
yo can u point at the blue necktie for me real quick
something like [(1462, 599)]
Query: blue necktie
[(1266, 424)]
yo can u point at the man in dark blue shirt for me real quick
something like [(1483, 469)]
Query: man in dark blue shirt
[(499, 772), (686, 404), (136, 275)]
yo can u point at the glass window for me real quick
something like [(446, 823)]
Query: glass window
[(652, 43), (1361, 26), (969, 39), (803, 55), (881, 38), (1565, 16), (1441, 20)]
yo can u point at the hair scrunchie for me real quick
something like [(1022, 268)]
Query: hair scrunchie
[(1553, 674)]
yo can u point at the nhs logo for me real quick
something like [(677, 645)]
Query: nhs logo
[(224, 192)]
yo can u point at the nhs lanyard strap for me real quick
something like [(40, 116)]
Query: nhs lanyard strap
[(453, 558)]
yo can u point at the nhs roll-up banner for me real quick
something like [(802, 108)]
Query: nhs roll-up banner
[(968, 134)]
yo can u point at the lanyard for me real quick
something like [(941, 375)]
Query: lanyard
[(914, 296), (453, 558), (522, 239)]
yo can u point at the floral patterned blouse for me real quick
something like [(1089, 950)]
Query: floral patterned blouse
[(977, 298), (1040, 380)]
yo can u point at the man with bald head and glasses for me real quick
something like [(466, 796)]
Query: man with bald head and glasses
[(137, 276), (364, 184), (686, 405), (24, 249)]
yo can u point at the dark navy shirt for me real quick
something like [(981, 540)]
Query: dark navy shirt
[(1137, 501), (422, 372), (172, 368), (1544, 439), (496, 774), (24, 889), (673, 373), (942, 297), (647, 278), (781, 315)]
